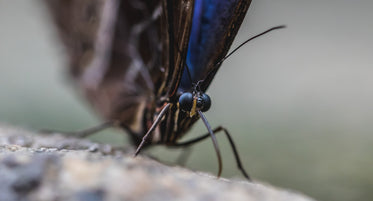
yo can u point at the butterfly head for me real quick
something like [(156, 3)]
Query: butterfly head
[(192, 102)]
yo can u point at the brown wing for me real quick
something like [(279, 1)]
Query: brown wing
[(224, 32), (114, 50), (176, 18)]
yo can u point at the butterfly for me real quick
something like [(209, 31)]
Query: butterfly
[(146, 65)]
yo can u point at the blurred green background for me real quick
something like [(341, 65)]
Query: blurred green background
[(297, 101)]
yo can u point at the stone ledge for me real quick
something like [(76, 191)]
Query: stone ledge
[(54, 167)]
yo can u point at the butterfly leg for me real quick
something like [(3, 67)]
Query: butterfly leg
[(86, 132), (152, 128), (230, 139)]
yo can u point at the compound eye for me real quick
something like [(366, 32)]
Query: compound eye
[(206, 102), (186, 101)]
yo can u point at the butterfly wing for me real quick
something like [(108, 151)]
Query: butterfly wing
[(177, 17), (114, 50), (125, 56), (215, 25)]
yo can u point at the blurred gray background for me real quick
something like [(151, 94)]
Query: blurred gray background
[(298, 101)]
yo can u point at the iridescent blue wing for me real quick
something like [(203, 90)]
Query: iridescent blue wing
[(215, 25)]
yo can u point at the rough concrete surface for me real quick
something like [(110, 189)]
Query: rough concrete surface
[(54, 167)]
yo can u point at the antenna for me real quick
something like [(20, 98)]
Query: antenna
[(246, 41), (242, 44)]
